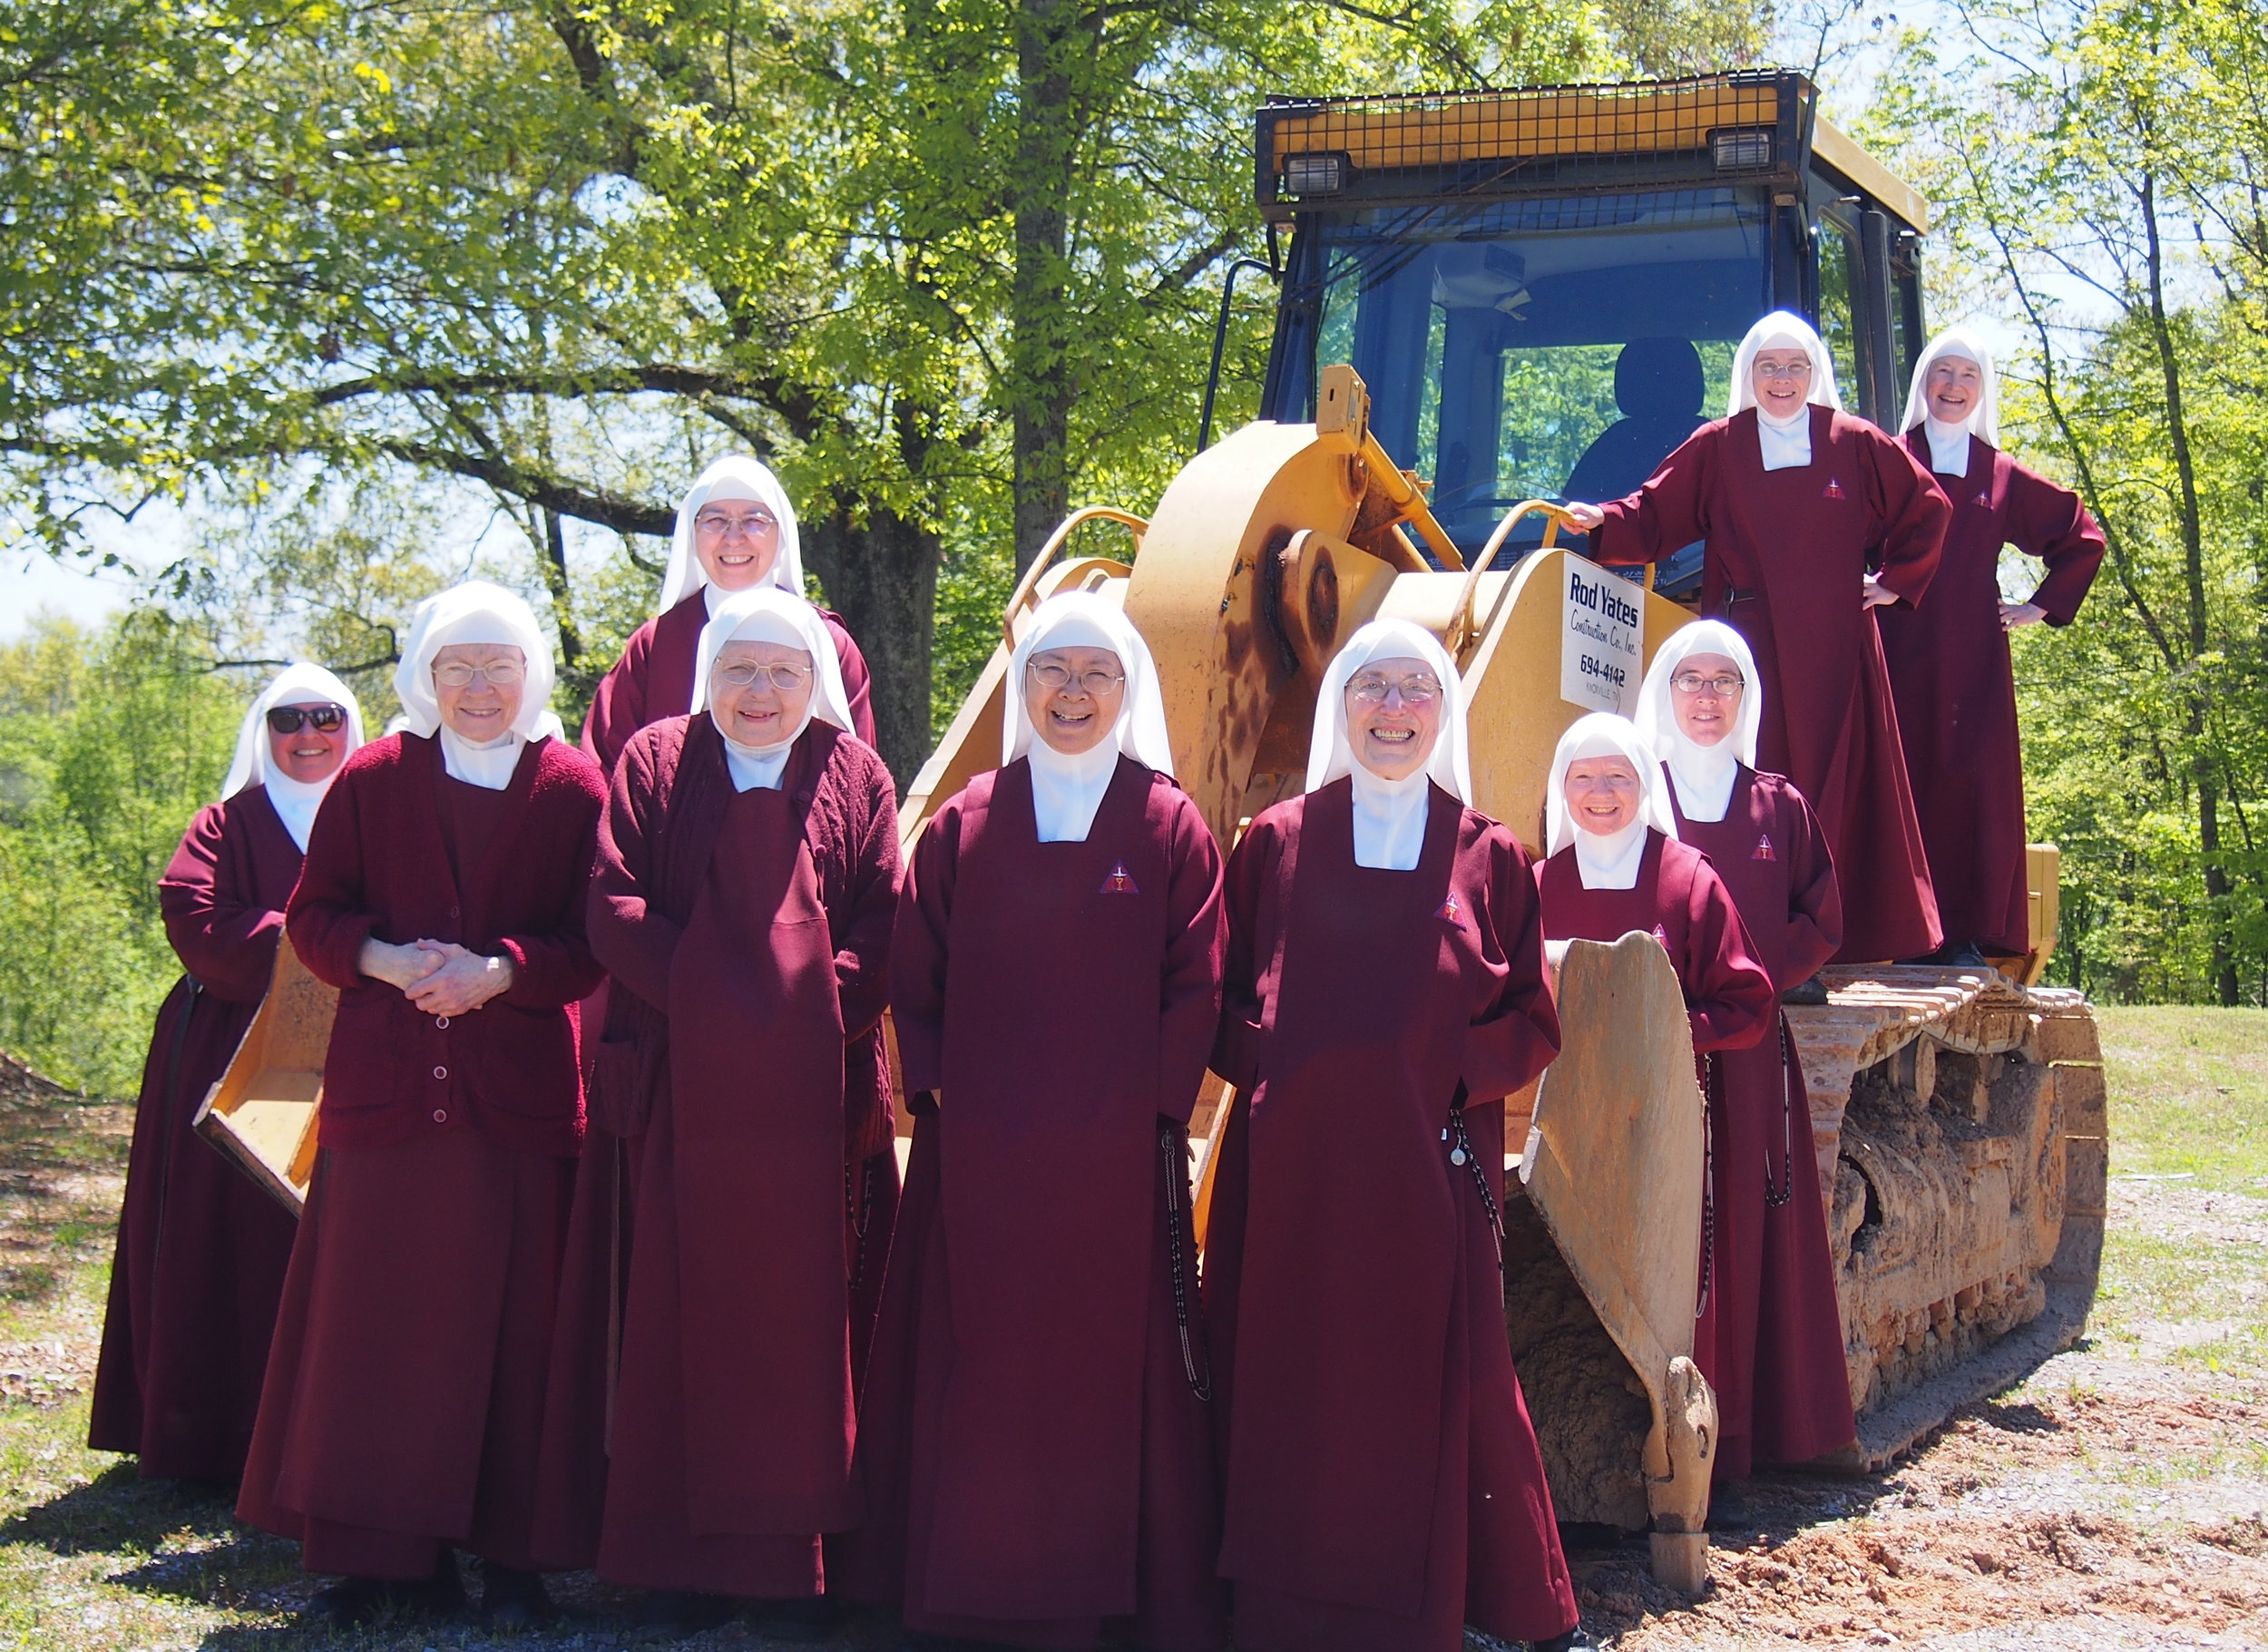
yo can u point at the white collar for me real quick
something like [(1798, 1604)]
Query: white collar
[(755, 768), (1610, 860), (1787, 442), (1389, 819), (489, 766), (1705, 777), (1066, 791), (1948, 447)]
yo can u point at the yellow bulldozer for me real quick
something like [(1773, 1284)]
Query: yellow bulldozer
[(1492, 303), (1531, 296)]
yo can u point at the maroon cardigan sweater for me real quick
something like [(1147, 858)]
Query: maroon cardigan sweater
[(376, 866)]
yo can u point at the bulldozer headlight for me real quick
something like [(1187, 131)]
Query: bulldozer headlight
[(1315, 174), (1742, 148)]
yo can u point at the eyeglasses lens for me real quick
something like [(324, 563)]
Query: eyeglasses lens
[(290, 720), (1054, 678), (785, 678), (1724, 687), (1415, 691), (499, 676)]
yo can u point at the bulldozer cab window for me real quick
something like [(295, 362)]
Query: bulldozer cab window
[(1838, 304), (1550, 348)]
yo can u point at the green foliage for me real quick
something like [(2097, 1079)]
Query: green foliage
[(109, 744), (2095, 167)]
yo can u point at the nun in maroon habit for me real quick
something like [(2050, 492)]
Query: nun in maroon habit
[(444, 896), (1384, 991), (1948, 658), (1771, 1343), (701, 1439), (1034, 1440), (202, 1249), (736, 530), (1797, 501), (1617, 866)]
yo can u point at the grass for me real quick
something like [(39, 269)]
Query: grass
[(2188, 1094), (93, 1557)]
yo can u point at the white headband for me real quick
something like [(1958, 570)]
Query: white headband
[(1984, 417), (737, 477), (1330, 754), (1082, 619), (475, 611), (1602, 734), (767, 614), (301, 682), (1785, 330), (1656, 720)]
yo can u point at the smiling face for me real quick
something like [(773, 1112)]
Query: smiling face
[(1782, 378), (1393, 716), (1706, 695), (1074, 696), (769, 706), (309, 754), (1602, 794), (738, 541), (479, 685), (1952, 389)]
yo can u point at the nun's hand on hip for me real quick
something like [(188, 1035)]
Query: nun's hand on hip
[(2013, 614), (1878, 595)]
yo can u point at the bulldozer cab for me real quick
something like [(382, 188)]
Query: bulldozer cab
[(1542, 289)]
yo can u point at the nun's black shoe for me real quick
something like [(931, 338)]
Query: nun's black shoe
[(1811, 992), (513, 1601), (1573, 1641), (672, 1614), (1967, 955), (806, 1620), (352, 1602), (1728, 1510)]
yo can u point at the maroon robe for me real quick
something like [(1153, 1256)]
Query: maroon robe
[(1787, 550), (654, 678), (1685, 904), (1383, 1483), (404, 1393), (1771, 1343), (201, 1248), (1034, 1458), (708, 1445), (1956, 691)]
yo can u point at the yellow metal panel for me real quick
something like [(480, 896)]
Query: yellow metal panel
[(1870, 174), (1514, 713)]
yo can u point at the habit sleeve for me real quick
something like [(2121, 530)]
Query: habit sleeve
[(226, 941)]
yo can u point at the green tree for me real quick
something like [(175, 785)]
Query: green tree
[(942, 263), (2097, 167), (109, 744)]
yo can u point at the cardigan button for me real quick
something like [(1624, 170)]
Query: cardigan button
[(441, 1115), (441, 1021), (441, 1073)]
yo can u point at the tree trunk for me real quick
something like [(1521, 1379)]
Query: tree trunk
[(881, 576), (1040, 389), (2192, 520)]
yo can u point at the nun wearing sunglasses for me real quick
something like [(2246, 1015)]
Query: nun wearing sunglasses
[(201, 1250)]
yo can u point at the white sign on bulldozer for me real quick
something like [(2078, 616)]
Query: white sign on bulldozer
[(1602, 642)]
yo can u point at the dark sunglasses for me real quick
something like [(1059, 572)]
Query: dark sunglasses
[(290, 720)]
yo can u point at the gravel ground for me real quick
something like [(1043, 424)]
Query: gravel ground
[(2117, 1499)]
